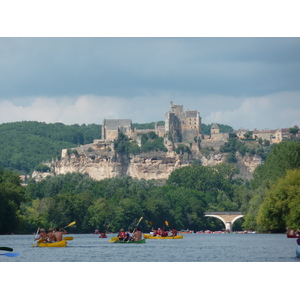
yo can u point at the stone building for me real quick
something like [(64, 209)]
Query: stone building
[(112, 127), (182, 126), (215, 129), (241, 133)]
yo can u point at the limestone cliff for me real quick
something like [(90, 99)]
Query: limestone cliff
[(105, 163)]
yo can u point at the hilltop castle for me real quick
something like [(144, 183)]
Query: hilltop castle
[(181, 127)]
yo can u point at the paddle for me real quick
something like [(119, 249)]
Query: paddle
[(35, 236), (113, 239), (6, 249), (71, 224), (10, 254), (167, 223), (141, 218)]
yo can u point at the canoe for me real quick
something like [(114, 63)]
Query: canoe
[(143, 241), (62, 243), (149, 236)]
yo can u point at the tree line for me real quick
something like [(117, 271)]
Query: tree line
[(113, 203)]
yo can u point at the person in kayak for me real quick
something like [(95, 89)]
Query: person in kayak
[(50, 235), (58, 234), (174, 232), (137, 236), (103, 234), (43, 234), (128, 235), (158, 232), (122, 235), (154, 230), (164, 232)]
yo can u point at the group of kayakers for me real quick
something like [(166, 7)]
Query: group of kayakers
[(53, 235), (292, 232), (130, 235), (162, 232)]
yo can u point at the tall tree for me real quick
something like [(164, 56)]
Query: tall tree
[(283, 157), (12, 195), (281, 206)]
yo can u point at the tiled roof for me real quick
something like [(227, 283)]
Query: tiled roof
[(191, 114), (114, 124)]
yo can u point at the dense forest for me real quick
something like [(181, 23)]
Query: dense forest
[(24, 145), (270, 201)]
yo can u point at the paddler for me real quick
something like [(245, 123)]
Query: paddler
[(58, 234), (43, 234), (122, 235), (137, 236), (174, 232), (50, 235)]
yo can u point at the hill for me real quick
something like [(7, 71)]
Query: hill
[(24, 145)]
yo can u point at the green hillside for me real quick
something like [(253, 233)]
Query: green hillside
[(24, 145)]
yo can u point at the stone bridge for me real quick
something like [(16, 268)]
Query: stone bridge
[(227, 217)]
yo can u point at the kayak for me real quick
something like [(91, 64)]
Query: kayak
[(6, 249), (149, 236), (143, 241), (289, 236), (62, 243)]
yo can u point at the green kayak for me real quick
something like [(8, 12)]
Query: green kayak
[(143, 241)]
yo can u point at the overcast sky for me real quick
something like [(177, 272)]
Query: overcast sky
[(243, 82)]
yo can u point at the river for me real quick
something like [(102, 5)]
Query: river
[(214, 266), (192, 248)]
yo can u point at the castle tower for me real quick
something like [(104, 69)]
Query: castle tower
[(215, 129), (182, 126)]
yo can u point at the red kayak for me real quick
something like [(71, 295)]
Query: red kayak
[(293, 236)]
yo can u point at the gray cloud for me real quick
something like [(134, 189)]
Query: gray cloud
[(84, 80)]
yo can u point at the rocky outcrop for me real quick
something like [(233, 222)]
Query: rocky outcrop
[(101, 164)]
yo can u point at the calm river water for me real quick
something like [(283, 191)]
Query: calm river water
[(192, 248)]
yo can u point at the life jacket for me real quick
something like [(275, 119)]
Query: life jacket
[(122, 234)]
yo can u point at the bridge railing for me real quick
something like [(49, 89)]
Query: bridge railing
[(223, 213)]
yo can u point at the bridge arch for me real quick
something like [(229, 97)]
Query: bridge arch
[(227, 217)]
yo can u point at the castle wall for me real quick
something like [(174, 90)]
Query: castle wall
[(188, 135)]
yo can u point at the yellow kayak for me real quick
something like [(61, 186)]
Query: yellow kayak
[(149, 236), (62, 243)]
